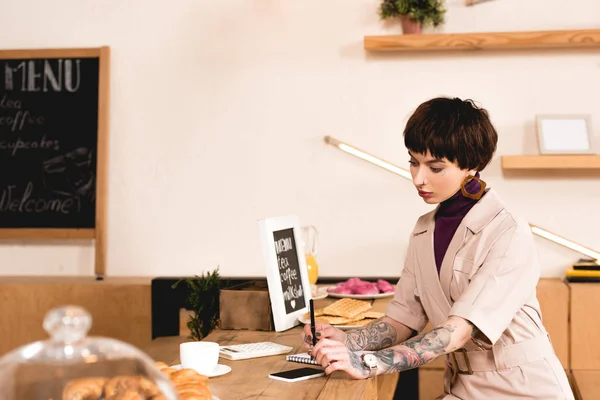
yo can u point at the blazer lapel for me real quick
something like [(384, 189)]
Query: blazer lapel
[(476, 219), (431, 283), (457, 242)]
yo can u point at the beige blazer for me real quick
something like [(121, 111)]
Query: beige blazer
[(489, 277)]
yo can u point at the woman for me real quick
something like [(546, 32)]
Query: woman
[(471, 270)]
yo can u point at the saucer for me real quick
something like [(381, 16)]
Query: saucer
[(219, 370)]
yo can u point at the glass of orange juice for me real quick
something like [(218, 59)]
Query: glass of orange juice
[(311, 244)]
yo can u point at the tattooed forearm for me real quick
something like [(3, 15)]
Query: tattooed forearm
[(357, 363), (474, 331), (418, 350), (374, 336)]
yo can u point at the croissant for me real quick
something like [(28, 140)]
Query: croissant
[(161, 365), (195, 397), (129, 394), (189, 384), (168, 372), (187, 375), (193, 391), (121, 384), (84, 389)]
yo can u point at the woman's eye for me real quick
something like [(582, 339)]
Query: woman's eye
[(436, 170), (413, 163)]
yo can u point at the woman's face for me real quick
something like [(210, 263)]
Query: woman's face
[(436, 179)]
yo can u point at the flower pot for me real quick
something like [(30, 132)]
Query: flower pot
[(410, 26)]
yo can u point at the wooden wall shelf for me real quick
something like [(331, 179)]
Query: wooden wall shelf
[(564, 39), (551, 162)]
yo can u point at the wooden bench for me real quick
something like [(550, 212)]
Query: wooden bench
[(120, 307), (585, 350), (585, 327)]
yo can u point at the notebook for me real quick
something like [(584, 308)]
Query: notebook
[(303, 358)]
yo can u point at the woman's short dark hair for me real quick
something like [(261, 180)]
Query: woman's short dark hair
[(454, 129)]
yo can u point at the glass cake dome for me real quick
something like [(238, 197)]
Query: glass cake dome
[(72, 366)]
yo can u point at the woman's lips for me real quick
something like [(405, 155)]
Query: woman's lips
[(425, 194)]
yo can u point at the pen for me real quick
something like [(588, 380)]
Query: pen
[(312, 322)]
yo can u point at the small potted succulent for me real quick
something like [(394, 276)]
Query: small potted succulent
[(413, 14)]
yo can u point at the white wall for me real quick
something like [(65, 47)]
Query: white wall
[(219, 109)]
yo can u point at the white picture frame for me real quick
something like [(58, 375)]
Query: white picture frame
[(285, 270), (564, 134)]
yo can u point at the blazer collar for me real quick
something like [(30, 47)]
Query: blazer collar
[(476, 219), (484, 211)]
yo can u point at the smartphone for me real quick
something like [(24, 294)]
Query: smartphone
[(300, 374)]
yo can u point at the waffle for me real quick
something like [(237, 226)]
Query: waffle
[(374, 314), (360, 322), (332, 320), (318, 313), (364, 318), (347, 308), (346, 312)]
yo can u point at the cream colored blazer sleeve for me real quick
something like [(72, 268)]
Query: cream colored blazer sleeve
[(501, 286), (406, 306)]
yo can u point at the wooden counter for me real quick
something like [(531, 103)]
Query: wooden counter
[(249, 379)]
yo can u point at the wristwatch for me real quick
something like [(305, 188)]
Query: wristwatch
[(370, 361)]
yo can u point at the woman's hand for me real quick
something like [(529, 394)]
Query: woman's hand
[(335, 356), (323, 331)]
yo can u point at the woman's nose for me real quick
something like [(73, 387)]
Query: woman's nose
[(418, 178)]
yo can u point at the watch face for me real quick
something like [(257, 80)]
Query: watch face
[(370, 360)]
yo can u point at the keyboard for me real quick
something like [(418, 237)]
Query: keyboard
[(252, 350)]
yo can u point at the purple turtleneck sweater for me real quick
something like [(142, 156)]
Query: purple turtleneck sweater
[(448, 217)]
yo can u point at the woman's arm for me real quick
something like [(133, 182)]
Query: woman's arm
[(441, 340), (379, 334), (444, 339)]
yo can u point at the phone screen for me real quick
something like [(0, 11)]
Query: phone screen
[(299, 374)]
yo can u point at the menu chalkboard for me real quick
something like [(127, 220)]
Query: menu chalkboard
[(287, 276), (53, 123), (289, 270)]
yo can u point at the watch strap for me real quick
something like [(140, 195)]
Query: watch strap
[(373, 372)]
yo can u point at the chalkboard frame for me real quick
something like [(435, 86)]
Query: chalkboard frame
[(267, 227), (98, 233)]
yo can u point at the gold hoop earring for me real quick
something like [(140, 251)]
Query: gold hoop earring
[(475, 196)]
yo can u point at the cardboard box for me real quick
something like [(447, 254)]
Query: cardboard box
[(246, 306)]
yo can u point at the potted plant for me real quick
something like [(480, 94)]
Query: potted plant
[(413, 14), (203, 299)]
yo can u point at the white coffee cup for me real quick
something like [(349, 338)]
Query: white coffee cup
[(202, 357)]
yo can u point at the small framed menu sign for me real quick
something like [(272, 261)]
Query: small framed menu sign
[(287, 277)]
